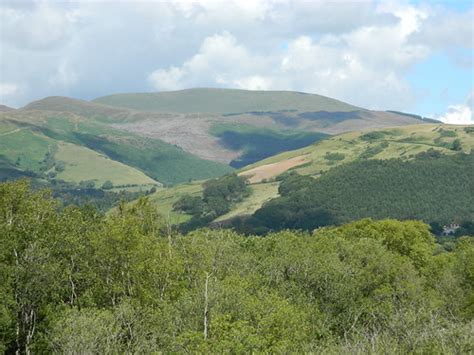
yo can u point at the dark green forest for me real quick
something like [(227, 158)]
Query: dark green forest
[(74, 280), (432, 187)]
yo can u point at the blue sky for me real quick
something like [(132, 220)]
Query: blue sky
[(414, 56), (439, 83)]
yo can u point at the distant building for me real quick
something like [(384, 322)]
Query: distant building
[(450, 229)]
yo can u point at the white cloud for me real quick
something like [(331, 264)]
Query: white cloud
[(7, 90), (357, 51), (38, 25), (460, 113), (254, 83), (445, 29), (220, 61), (365, 66), (65, 75), (170, 79)]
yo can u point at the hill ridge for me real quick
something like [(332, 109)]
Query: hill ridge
[(205, 100)]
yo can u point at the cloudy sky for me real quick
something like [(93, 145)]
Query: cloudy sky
[(414, 56)]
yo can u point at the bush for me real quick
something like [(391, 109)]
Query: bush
[(456, 145), (59, 166), (334, 156), (107, 185), (87, 184)]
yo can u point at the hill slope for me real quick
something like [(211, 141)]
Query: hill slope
[(210, 132), (431, 187), (4, 108), (208, 122), (400, 142), (225, 101), (129, 158)]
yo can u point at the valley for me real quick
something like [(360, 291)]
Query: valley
[(236, 177), (172, 137)]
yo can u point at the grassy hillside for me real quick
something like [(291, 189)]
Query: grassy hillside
[(79, 107), (27, 149), (4, 108), (95, 149), (82, 164), (400, 142), (224, 101), (389, 143), (208, 132), (235, 127)]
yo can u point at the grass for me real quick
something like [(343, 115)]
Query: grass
[(402, 142), (6, 127), (224, 101), (351, 145), (161, 161), (26, 156), (43, 132), (165, 198), (85, 164), (261, 193)]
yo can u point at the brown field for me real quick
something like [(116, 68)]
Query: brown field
[(269, 171)]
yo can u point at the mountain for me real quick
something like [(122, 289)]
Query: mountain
[(153, 139), (238, 127), (225, 101), (404, 143), (74, 141), (4, 108)]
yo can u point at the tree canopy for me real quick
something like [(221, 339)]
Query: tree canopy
[(74, 280)]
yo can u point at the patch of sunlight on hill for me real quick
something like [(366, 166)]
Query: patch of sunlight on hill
[(85, 164)]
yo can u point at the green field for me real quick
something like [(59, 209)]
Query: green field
[(165, 198), (401, 142), (29, 140), (85, 164), (184, 145), (25, 149), (224, 101), (261, 193)]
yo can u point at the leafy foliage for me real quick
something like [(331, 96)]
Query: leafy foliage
[(334, 156), (217, 198), (73, 280)]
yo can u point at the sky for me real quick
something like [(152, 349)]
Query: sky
[(412, 56)]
